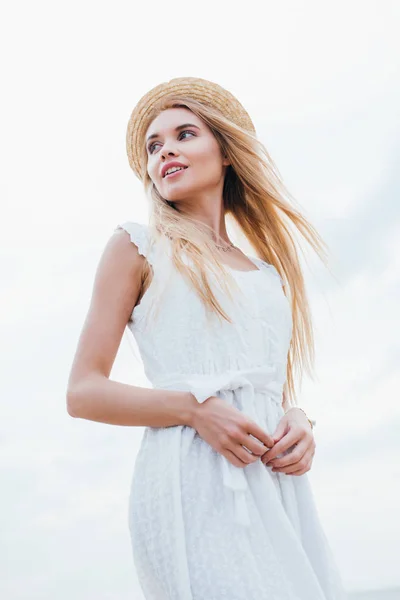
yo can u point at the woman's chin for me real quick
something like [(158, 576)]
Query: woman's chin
[(177, 194)]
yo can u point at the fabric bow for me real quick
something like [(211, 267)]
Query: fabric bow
[(244, 383)]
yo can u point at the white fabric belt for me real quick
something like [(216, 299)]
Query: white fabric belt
[(243, 383)]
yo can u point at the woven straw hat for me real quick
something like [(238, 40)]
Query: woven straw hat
[(204, 91)]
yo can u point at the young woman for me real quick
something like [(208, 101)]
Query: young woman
[(220, 504)]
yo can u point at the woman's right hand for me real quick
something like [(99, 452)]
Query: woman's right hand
[(228, 430)]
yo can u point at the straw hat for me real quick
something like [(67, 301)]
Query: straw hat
[(204, 91)]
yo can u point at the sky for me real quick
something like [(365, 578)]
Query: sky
[(321, 81)]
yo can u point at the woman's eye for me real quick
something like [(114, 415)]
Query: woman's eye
[(151, 147), (187, 131)]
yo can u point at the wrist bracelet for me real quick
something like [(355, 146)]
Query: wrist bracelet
[(312, 422)]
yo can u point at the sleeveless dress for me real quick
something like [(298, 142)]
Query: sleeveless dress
[(201, 528)]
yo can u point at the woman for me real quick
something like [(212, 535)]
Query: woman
[(220, 504)]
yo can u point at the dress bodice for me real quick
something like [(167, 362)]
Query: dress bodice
[(183, 339)]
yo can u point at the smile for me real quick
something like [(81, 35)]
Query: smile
[(175, 173)]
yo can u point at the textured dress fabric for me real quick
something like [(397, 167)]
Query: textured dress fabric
[(202, 528)]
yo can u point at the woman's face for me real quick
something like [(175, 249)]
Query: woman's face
[(179, 136)]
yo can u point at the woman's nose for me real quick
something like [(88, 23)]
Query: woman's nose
[(168, 150)]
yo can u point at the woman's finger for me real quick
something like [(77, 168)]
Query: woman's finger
[(244, 455), (299, 472), (252, 444), (288, 440), (293, 457), (304, 464), (265, 438), (237, 462)]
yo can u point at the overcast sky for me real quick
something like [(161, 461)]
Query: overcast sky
[(321, 82)]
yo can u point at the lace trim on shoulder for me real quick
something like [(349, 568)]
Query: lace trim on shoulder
[(138, 234)]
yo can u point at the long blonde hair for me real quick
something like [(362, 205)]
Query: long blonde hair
[(259, 203)]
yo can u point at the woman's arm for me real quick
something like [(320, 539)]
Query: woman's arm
[(90, 393), (98, 398)]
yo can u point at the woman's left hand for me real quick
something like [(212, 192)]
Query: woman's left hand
[(293, 430)]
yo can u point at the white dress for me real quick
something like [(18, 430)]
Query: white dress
[(201, 528)]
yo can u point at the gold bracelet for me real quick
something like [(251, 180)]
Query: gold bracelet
[(312, 423)]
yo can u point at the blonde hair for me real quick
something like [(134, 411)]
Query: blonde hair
[(259, 203)]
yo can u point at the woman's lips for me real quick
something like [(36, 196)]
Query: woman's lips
[(175, 173)]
